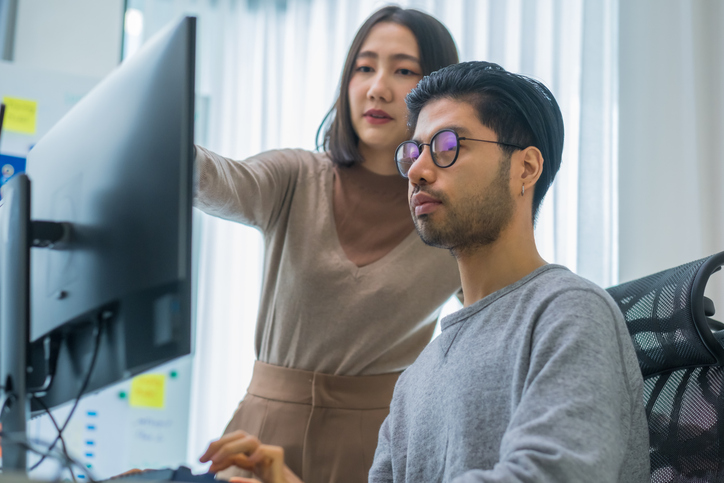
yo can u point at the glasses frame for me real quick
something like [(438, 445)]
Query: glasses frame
[(420, 147)]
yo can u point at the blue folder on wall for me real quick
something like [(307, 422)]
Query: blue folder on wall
[(9, 167)]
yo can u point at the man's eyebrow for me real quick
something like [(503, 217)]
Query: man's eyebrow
[(461, 131)]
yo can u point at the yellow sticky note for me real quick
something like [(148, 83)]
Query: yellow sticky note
[(20, 115), (148, 391)]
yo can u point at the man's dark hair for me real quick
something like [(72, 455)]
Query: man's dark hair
[(520, 110), (336, 134)]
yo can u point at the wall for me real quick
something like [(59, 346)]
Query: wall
[(670, 107), (80, 37)]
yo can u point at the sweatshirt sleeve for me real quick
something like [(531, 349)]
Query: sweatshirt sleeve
[(381, 471), (575, 414), (252, 192)]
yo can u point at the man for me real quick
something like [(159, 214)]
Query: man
[(535, 379)]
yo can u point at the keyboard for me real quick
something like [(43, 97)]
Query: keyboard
[(181, 473)]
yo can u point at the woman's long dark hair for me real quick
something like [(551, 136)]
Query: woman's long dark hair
[(336, 134)]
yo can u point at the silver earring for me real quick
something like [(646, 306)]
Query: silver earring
[(522, 191)]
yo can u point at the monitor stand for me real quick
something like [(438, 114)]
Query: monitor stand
[(14, 320), (17, 235)]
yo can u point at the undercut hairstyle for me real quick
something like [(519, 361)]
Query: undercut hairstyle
[(336, 135), (519, 109)]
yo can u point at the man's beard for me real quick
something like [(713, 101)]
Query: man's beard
[(474, 222)]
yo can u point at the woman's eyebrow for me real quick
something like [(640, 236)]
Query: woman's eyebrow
[(368, 54), (406, 57)]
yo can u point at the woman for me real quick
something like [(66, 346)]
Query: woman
[(350, 294)]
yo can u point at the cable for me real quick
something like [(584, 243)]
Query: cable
[(57, 428), (6, 404), (65, 460), (80, 393)]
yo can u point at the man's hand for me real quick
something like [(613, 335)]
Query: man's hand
[(246, 452)]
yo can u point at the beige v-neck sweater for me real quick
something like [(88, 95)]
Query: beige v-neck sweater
[(371, 213), (318, 310)]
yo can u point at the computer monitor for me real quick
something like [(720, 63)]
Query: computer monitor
[(114, 291), (2, 117)]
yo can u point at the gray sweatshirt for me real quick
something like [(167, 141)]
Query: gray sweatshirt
[(537, 382)]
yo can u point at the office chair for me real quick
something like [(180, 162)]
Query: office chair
[(681, 353)]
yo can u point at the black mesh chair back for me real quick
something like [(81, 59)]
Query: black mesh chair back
[(681, 353)]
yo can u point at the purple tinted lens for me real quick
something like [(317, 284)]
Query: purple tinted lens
[(407, 153), (410, 151), (444, 148)]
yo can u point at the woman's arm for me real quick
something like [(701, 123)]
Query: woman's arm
[(253, 191)]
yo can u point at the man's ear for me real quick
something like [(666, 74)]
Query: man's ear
[(529, 167)]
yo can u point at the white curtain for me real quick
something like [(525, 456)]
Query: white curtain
[(268, 72)]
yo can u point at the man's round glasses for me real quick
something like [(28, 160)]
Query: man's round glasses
[(444, 148)]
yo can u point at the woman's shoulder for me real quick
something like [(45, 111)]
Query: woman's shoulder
[(285, 156), (302, 157)]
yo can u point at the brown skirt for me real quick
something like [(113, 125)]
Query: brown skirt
[(327, 424)]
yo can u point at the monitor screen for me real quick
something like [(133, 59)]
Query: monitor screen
[(119, 169)]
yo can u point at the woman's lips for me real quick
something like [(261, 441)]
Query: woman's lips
[(424, 204), (377, 116)]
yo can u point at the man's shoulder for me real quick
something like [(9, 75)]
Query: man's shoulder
[(560, 301), (551, 297), (554, 296), (557, 276), (557, 283)]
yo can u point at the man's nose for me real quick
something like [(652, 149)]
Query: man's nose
[(423, 170)]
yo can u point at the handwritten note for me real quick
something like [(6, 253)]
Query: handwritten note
[(148, 391), (20, 115)]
